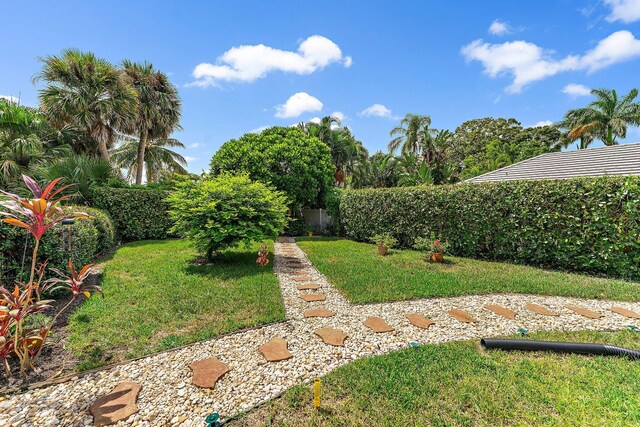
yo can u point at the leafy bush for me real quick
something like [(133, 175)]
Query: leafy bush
[(227, 210), (287, 158), (90, 237), (589, 225), (332, 204), (384, 239), (138, 213)]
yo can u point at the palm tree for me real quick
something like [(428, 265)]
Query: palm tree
[(160, 160), (606, 118), (412, 135), (87, 93), (380, 170), (159, 107)]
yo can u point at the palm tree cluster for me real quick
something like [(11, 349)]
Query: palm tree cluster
[(94, 120), (347, 153), (606, 118)]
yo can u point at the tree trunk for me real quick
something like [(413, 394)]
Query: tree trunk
[(142, 146), (104, 151)]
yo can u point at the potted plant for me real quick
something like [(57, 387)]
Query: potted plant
[(310, 231), (384, 241), (435, 248)]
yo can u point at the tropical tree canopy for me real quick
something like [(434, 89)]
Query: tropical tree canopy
[(87, 93), (292, 161), (160, 160), (606, 118), (159, 108), (412, 135)]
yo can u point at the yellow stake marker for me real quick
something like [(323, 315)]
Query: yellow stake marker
[(316, 393)]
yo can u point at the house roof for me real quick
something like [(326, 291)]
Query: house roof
[(612, 160)]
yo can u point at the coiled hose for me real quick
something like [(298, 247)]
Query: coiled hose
[(560, 347)]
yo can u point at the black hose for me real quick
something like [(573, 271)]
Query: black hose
[(560, 347)]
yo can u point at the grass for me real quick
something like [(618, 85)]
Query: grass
[(364, 277), (457, 384), (156, 297)]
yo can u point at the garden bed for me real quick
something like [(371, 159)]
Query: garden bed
[(363, 276)]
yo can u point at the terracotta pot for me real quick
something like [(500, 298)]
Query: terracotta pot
[(382, 249), (437, 258)]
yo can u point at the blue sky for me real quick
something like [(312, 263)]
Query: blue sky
[(369, 61)]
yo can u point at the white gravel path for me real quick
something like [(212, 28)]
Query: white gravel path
[(168, 398)]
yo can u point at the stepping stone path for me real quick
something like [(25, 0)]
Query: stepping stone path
[(207, 372), (584, 312), (462, 316), (168, 399), (319, 312), (625, 312), (331, 336), (377, 324), (276, 350), (308, 287), (303, 279), (313, 297), (540, 310), (500, 310), (419, 320), (118, 405)]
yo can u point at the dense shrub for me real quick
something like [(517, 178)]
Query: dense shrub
[(332, 204), (90, 237), (138, 213), (285, 157), (589, 225), (227, 210)]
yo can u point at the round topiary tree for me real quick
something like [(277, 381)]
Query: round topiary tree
[(225, 211), (292, 161)]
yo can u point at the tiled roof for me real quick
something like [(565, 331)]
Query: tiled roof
[(612, 160)]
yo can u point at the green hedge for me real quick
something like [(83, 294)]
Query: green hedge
[(589, 225), (138, 213), (90, 238)]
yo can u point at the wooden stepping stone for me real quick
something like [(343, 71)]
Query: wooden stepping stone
[(313, 297), (275, 350), (319, 312), (207, 372), (331, 336), (625, 312), (462, 316), (118, 405), (500, 310), (303, 278), (308, 286), (584, 312), (377, 324), (301, 272), (419, 320), (540, 310)]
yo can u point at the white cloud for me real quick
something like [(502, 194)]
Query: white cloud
[(527, 62), (338, 115), (316, 120), (297, 104), (258, 129), (196, 145), (376, 110), (190, 159), (248, 63), (627, 11), (10, 98), (499, 28), (542, 123), (574, 90)]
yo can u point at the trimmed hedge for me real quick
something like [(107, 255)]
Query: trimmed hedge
[(138, 213), (91, 237), (589, 225)]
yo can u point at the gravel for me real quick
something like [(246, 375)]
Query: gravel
[(168, 397)]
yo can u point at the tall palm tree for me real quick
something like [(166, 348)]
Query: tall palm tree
[(160, 160), (575, 131), (159, 107), (412, 134), (606, 118), (88, 93)]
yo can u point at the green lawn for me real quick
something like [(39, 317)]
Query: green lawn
[(457, 384), (157, 298), (363, 276)]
